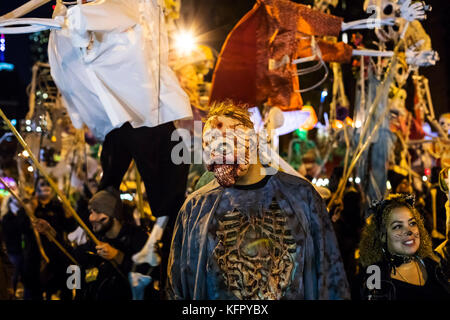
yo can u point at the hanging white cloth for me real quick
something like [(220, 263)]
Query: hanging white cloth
[(110, 62)]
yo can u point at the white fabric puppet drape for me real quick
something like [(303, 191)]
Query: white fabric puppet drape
[(110, 62)]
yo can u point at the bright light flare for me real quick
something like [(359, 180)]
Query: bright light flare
[(184, 42)]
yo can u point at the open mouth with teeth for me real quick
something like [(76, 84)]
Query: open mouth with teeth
[(409, 243)]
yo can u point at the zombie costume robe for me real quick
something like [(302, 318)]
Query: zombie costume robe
[(272, 241)]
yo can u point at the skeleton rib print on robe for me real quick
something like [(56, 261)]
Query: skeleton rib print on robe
[(256, 253), (209, 261)]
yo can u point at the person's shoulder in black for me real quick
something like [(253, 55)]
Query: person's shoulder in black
[(130, 239), (12, 231)]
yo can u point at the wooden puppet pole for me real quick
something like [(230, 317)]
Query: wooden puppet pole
[(33, 218), (41, 169), (140, 202), (24, 9)]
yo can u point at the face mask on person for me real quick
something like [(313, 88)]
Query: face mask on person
[(101, 223), (227, 149), (43, 190)]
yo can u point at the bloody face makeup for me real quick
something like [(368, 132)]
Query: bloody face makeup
[(227, 149), (402, 232)]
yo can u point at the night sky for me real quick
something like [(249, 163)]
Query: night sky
[(212, 20)]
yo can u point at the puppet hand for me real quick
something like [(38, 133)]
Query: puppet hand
[(421, 58), (415, 11), (106, 251), (42, 226)]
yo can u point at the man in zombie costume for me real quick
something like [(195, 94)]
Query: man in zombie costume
[(249, 233)]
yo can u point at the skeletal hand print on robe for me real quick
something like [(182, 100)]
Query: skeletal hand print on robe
[(256, 254)]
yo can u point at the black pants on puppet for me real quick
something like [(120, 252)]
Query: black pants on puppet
[(165, 182)]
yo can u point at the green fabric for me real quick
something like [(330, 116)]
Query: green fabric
[(206, 178)]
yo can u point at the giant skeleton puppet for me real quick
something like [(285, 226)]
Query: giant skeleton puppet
[(406, 126), (109, 60), (253, 232)]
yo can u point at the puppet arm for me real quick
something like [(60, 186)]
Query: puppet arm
[(367, 24), (422, 58)]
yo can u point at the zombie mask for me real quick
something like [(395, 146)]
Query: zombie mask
[(228, 148)]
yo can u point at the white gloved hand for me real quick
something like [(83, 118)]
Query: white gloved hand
[(148, 253), (421, 58), (415, 11)]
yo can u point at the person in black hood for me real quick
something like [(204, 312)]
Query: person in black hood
[(107, 264)]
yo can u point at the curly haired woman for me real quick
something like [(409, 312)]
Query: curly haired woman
[(396, 248)]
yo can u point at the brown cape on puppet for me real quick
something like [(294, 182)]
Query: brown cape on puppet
[(273, 32)]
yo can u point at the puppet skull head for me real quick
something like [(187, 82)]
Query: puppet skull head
[(401, 73), (229, 143), (385, 9), (398, 110), (444, 122)]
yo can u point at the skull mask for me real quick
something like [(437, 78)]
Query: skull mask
[(387, 9)]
